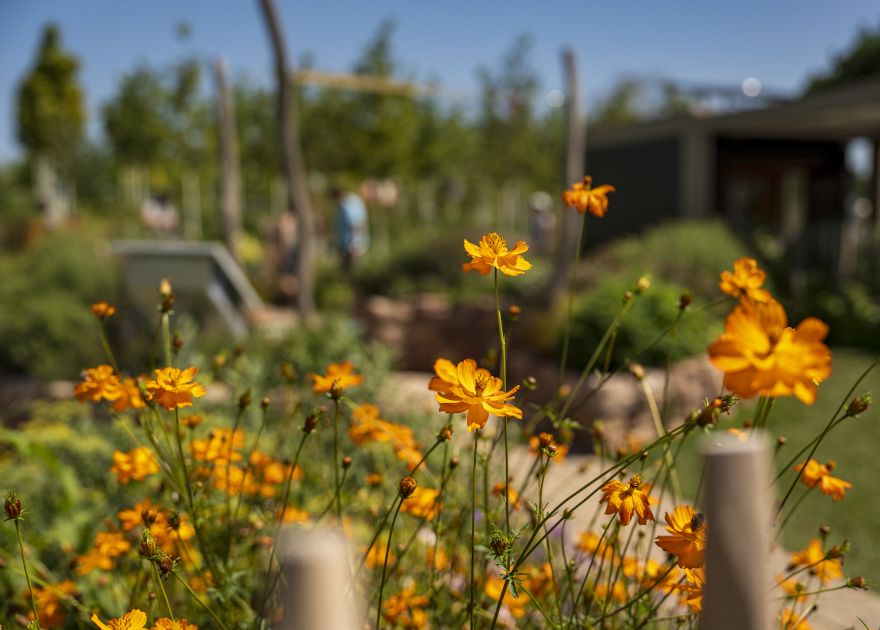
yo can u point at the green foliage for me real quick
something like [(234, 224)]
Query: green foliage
[(51, 112), (47, 328), (652, 314), (861, 59)]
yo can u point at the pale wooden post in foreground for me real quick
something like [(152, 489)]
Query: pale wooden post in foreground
[(738, 517), (317, 577)]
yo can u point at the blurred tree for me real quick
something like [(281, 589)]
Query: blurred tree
[(51, 112), (621, 106), (861, 59)]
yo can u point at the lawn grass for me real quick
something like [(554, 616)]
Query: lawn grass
[(855, 447)]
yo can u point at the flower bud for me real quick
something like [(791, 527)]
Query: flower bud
[(151, 596), (167, 304), (149, 549), (407, 486), (857, 582), (637, 370), (149, 516), (336, 390), (244, 400), (530, 383), (177, 343), (598, 430), (545, 440), (265, 402), (513, 313), (165, 288), (860, 404), (346, 462), (837, 551), (747, 424), (445, 434), (219, 362), (643, 285), (288, 372), (310, 424), (627, 296), (102, 309), (824, 531), (453, 463), (12, 505), (781, 441), (831, 465), (191, 421), (497, 544), (551, 450), (685, 300)]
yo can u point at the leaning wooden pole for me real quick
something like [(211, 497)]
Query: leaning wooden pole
[(738, 520), (575, 149), (298, 200), (230, 182)]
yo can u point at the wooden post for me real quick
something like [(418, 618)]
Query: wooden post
[(316, 586), (297, 187), (230, 182), (575, 157), (738, 519)]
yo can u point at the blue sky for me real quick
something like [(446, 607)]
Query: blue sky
[(779, 41)]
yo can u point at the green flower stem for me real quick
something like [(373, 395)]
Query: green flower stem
[(106, 345), (385, 564), (27, 576), (803, 594), (661, 431), (831, 424), (504, 388), (336, 463), (473, 576), (248, 466), (669, 364), (199, 600), (537, 605), (542, 471), (158, 582), (563, 364), (580, 592), (166, 338), (640, 595)]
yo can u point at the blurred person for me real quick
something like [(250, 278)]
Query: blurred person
[(352, 226)]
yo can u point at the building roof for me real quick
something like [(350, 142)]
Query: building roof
[(847, 111)]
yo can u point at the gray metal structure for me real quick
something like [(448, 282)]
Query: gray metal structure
[(200, 273)]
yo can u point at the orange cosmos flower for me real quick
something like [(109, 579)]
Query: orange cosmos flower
[(107, 546), (618, 591), (172, 387), (696, 582), (760, 354), (593, 543), (479, 394), (816, 473), (649, 574), (493, 587), (442, 559), (129, 396), (787, 619), (101, 382), (423, 503), (340, 373), (135, 464), (746, 280), (102, 309), (49, 611), (514, 499), (535, 447), (292, 515), (376, 556), (220, 447), (825, 570), (624, 499), (583, 197), (134, 620), (492, 252), (405, 609), (133, 518), (447, 375), (688, 540), (179, 624)]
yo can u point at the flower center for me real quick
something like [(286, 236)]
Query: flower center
[(495, 242), (697, 522), (480, 383), (635, 482)]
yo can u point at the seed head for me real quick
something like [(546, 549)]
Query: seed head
[(513, 313), (310, 424), (860, 404), (346, 462), (453, 463), (498, 544), (445, 434), (265, 402), (12, 505), (685, 300)]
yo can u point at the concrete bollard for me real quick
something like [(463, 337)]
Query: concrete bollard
[(738, 517), (317, 576)]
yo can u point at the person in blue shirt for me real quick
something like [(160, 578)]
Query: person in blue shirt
[(352, 226)]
